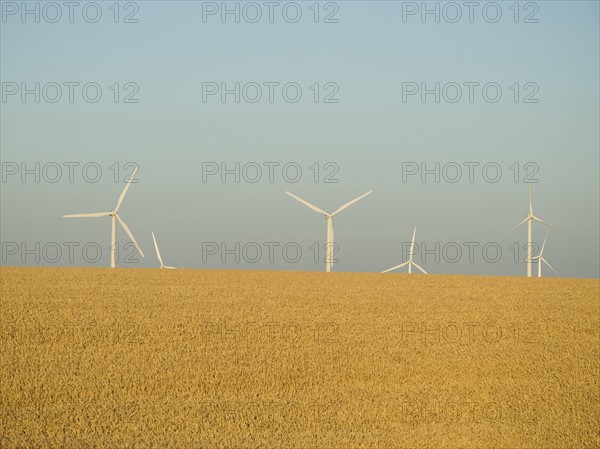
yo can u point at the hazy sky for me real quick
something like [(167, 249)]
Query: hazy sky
[(360, 116)]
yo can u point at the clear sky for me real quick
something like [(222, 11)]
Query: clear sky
[(365, 117)]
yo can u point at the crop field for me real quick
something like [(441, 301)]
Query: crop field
[(148, 358)]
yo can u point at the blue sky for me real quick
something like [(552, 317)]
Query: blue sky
[(369, 136)]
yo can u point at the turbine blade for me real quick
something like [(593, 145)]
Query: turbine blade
[(306, 203), (411, 250), (157, 251), (95, 214), (127, 185), (550, 266), (396, 267), (546, 223), (530, 202), (345, 206), (524, 221), (128, 231), (417, 265), (543, 244), (171, 268)]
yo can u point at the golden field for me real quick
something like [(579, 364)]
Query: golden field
[(148, 358)]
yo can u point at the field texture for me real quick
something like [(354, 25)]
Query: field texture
[(147, 358)]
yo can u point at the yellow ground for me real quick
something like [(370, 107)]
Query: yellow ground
[(146, 358)]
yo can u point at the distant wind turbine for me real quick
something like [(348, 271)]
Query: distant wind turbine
[(162, 265), (329, 219), (114, 217), (410, 261), (540, 259), (529, 218)]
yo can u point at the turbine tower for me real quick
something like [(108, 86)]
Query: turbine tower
[(410, 261), (540, 259), (329, 220), (529, 219), (114, 218), (162, 265)]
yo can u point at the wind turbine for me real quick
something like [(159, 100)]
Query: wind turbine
[(409, 262), (540, 259), (114, 218), (162, 265), (329, 220), (529, 218)]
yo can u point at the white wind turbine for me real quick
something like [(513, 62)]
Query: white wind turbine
[(410, 261), (329, 219), (540, 259), (529, 218), (162, 265), (114, 217)]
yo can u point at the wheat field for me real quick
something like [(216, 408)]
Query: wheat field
[(144, 358)]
